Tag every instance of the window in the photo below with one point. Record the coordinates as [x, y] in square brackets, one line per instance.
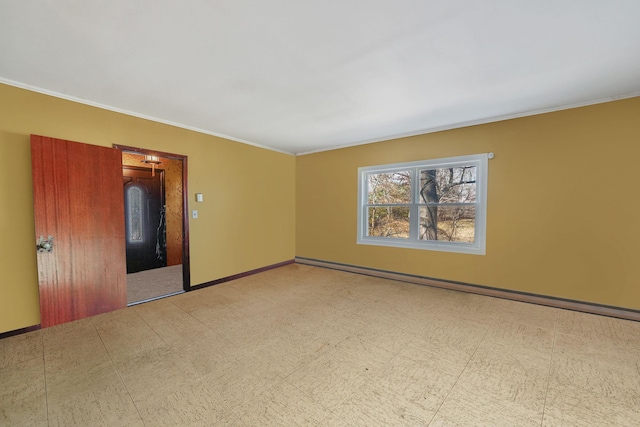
[135, 212]
[433, 204]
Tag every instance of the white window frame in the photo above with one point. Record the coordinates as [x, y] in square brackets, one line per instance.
[478, 247]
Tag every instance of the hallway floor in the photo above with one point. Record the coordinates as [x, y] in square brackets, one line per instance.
[155, 283]
[307, 346]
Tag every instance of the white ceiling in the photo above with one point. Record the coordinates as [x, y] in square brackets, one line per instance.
[301, 76]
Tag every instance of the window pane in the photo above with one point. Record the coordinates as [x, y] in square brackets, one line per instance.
[448, 185]
[448, 223]
[135, 215]
[384, 188]
[389, 221]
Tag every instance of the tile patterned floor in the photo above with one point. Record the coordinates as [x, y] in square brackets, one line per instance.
[306, 346]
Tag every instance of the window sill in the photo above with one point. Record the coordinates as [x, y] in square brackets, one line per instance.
[463, 248]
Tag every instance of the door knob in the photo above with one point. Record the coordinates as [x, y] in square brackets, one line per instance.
[45, 245]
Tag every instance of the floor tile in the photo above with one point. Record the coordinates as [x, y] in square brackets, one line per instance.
[194, 404]
[81, 356]
[231, 293]
[598, 347]
[204, 353]
[61, 337]
[415, 383]
[87, 393]
[338, 372]
[104, 404]
[281, 405]
[239, 380]
[334, 420]
[604, 377]
[505, 379]
[390, 338]
[23, 393]
[322, 326]
[84, 380]
[368, 405]
[539, 316]
[591, 326]
[203, 299]
[19, 348]
[445, 348]
[125, 334]
[521, 336]
[170, 322]
[465, 408]
[154, 374]
[568, 405]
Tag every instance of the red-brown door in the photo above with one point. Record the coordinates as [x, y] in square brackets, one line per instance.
[78, 201]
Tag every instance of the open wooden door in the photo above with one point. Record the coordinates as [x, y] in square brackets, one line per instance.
[78, 201]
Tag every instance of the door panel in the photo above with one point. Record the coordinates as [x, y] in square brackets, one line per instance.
[78, 201]
[145, 235]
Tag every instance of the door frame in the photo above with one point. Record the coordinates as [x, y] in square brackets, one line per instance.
[186, 270]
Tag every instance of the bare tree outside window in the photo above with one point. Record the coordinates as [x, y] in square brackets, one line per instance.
[389, 197]
[449, 197]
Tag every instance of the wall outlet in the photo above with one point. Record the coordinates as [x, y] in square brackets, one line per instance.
[194, 214]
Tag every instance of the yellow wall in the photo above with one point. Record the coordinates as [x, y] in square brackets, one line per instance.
[245, 222]
[563, 204]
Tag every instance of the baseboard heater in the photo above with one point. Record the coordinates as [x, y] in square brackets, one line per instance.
[586, 307]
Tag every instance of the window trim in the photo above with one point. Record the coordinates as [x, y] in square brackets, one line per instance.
[480, 161]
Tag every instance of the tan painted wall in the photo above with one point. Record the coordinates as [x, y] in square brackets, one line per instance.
[246, 221]
[563, 204]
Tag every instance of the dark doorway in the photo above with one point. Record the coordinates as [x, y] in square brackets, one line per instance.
[158, 182]
[144, 218]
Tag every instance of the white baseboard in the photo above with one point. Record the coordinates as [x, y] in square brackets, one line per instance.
[585, 307]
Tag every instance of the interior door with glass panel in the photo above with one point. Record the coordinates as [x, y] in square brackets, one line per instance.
[144, 218]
